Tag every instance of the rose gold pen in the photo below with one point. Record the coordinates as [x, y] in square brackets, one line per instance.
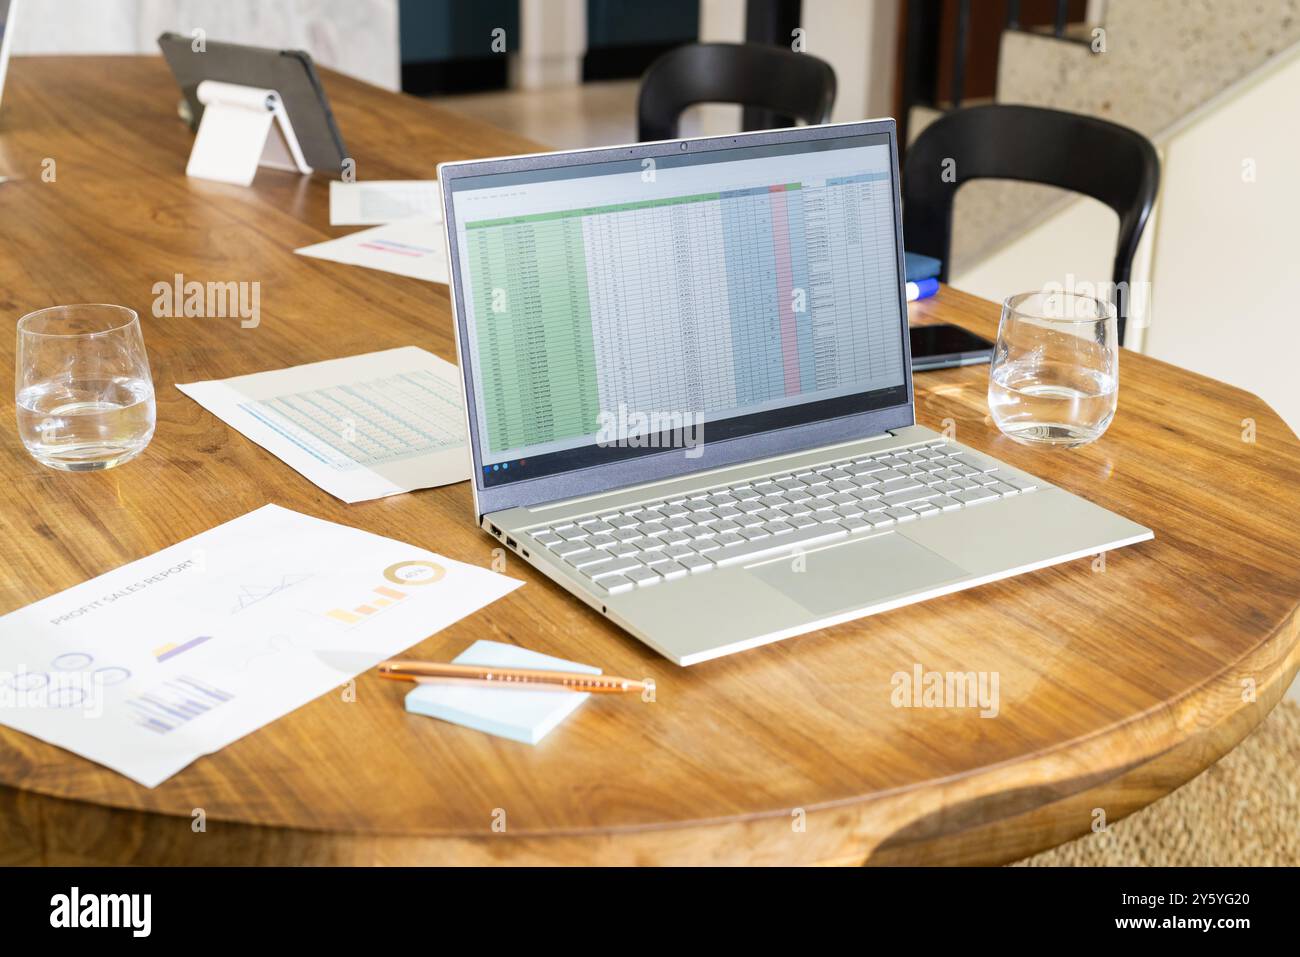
[523, 679]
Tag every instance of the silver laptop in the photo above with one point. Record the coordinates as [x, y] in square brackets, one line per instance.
[689, 393]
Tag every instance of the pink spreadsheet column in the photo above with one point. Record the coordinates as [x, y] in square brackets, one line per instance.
[784, 282]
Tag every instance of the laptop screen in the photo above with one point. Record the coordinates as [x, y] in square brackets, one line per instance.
[642, 306]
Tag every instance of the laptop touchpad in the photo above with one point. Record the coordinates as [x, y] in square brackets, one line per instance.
[855, 574]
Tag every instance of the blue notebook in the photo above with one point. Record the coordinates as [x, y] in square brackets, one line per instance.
[526, 716]
[921, 267]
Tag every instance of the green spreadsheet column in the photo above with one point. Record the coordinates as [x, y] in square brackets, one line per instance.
[496, 344]
[536, 352]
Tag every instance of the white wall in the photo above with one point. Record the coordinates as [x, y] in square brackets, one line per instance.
[859, 40]
[357, 37]
[1078, 239]
[1226, 272]
[856, 37]
[554, 41]
[721, 21]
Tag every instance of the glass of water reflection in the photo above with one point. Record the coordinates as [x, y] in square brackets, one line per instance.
[1054, 378]
[85, 396]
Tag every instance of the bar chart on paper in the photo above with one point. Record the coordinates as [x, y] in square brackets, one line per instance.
[169, 705]
[382, 597]
[715, 302]
[166, 659]
[409, 573]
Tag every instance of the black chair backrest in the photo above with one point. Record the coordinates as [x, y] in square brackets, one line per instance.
[791, 86]
[1108, 162]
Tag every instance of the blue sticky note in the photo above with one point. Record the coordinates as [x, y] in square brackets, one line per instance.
[526, 716]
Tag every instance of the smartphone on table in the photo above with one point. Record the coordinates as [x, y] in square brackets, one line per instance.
[943, 346]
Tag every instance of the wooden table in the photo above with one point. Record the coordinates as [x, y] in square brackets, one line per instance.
[1116, 684]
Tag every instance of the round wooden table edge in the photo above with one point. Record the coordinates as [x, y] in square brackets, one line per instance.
[910, 824]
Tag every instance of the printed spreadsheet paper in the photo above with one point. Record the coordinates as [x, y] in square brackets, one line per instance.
[361, 428]
[152, 665]
[374, 202]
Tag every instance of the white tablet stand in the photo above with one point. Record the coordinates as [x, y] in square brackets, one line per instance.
[242, 128]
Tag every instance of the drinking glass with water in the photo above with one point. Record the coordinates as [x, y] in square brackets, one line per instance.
[85, 396]
[1054, 378]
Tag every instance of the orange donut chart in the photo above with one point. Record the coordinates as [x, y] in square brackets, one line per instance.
[414, 573]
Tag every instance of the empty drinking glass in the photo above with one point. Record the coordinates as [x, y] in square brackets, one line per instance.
[1054, 378]
[85, 396]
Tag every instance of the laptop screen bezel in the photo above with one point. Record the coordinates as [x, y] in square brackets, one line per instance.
[667, 463]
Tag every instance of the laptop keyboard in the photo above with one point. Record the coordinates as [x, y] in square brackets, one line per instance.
[662, 541]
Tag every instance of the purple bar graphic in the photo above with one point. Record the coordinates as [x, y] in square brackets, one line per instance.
[185, 647]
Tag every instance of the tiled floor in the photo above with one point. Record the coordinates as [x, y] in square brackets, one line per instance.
[594, 114]
[575, 117]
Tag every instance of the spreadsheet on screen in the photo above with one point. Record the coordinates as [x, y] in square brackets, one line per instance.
[721, 288]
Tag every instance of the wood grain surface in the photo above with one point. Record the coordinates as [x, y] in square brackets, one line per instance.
[1117, 683]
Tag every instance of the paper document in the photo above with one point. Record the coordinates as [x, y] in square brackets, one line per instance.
[361, 427]
[526, 716]
[148, 667]
[372, 202]
[408, 247]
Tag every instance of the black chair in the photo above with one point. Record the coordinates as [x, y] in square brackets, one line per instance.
[785, 85]
[1100, 159]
